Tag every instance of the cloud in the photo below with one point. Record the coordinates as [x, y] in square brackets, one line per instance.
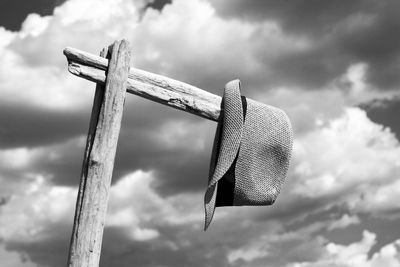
[344, 222]
[41, 214]
[134, 203]
[56, 106]
[13, 259]
[304, 17]
[35, 52]
[344, 154]
[58, 163]
[344, 162]
[302, 251]
[138, 214]
[158, 4]
[38, 220]
[356, 254]
[33, 127]
[203, 28]
[341, 33]
[246, 254]
[384, 111]
[39, 167]
[345, 165]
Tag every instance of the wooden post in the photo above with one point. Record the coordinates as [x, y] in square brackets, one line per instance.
[98, 162]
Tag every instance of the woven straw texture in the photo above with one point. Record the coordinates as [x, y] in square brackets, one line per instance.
[251, 152]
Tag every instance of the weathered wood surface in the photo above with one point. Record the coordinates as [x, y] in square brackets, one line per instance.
[152, 86]
[98, 161]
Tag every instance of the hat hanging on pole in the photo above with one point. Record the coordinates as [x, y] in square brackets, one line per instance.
[250, 155]
[252, 145]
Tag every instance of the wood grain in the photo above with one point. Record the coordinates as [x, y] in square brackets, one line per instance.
[98, 163]
[152, 86]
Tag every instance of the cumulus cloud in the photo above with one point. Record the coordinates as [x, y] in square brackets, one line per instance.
[135, 204]
[302, 251]
[347, 155]
[26, 215]
[40, 211]
[345, 165]
[35, 53]
[356, 254]
[345, 162]
[384, 110]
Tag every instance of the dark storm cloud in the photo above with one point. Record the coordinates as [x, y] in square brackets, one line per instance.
[14, 12]
[157, 252]
[4, 200]
[339, 40]
[118, 249]
[32, 127]
[310, 69]
[385, 112]
[158, 4]
[60, 163]
[50, 251]
[303, 16]
[178, 167]
[29, 126]
[378, 45]
[177, 246]
[386, 232]
[176, 170]
[65, 169]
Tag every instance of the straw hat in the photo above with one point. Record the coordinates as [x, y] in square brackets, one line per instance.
[250, 155]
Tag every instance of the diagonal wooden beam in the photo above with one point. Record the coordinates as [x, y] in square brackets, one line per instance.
[152, 86]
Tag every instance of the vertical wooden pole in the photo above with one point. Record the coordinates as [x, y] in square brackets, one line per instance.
[98, 162]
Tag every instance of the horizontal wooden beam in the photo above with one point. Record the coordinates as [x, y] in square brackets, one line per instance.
[152, 86]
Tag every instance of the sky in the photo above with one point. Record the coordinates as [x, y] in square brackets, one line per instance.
[332, 66]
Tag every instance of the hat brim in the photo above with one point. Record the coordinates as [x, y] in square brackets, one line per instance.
[226, 145]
